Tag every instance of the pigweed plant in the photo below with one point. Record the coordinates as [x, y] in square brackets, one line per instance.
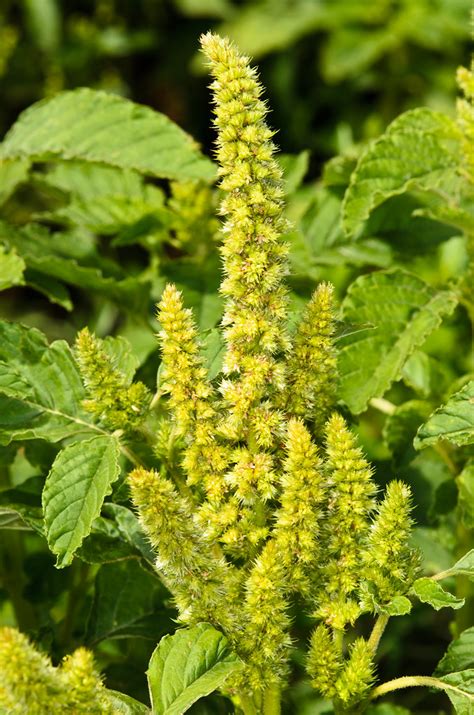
[249, 482]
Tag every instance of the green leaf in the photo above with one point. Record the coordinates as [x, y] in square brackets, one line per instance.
[52, 255]
[95, 126]
[453, 421]
[12, 267]
[125, 705]
[460, 690]
[75, 488]
[40, 387]
[463, 567]
[86, 180]
[459, 656]
[127, 602]
[465, 482]
[403, 311]
[420, 149]
[429, 591]
[399, 606]
[187, 666]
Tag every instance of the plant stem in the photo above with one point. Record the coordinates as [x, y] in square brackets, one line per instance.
[13, 578]
[377, 632]
[247, 705]
[272, 701]
[383, 405]
[412, 681]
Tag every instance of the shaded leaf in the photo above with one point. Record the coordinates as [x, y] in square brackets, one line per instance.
[75, 488]
[127, 603]
[403, 311]
[187, 666]
[421, 148]
[459, 656]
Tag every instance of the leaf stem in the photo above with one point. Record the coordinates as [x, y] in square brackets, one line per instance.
[383, 405]
[377, 632]
[414, 681]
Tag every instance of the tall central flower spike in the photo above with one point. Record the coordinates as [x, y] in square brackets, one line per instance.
[253, 251]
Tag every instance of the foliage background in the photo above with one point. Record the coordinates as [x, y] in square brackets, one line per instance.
[336, 72]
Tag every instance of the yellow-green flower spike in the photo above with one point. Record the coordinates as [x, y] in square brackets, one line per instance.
[297, 521]
[200, 581]
[27, 678]
[191, 394]
[111, 399]
[266, 642]
[350, 493]
[255, 257]
[311, 373]
[83, 685]
[324, 661]
[389, 563]
[30, 685]
[357, 677]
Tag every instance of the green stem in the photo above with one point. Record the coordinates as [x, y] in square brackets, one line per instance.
[247, 705]
[272, 701]
[79, 586]
[377, 632]
[13, 579]
[414, 681]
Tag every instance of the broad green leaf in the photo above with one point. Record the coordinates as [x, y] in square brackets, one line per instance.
[92, 125]
[12, 173]
[402, 311]
[40, 387]
[125, 705]
[108, 214]
[429, 591]
[453, 421]
[420, 149]
[187, 666]
[12, 267]
[127, 602]
[459, 656]
[86, 180]
[465, 482]
[400, 606]
[75, 488]
[460, 690]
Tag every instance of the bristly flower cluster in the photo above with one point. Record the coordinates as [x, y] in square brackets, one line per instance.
[278, 499]
[112, 399]
[30, 684]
